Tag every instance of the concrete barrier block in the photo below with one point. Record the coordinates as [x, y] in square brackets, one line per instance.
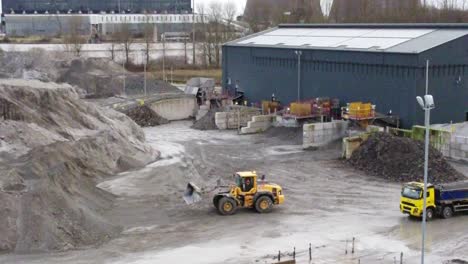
[319, 132]
[456, 146]
[221, 126]
[220, 115]
[249, 130]
[318, 138]
[318, 126]
[327, 125]
[456, 153]
[460, 140]
[258, 124]
[264, 118]
[309, 127]
[464, 147]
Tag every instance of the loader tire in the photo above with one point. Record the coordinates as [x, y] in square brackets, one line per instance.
[227, 206]
[263, 204]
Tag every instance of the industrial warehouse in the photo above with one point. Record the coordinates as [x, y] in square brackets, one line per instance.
[382, 64]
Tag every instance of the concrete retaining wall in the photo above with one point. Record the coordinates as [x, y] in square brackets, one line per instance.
[258, 124]
[320, 134]
[176, 108]
[459, 147]
[234, 118]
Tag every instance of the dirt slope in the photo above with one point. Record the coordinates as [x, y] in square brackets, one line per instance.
[53, 148]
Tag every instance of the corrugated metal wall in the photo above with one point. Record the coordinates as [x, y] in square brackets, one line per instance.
[391, 81]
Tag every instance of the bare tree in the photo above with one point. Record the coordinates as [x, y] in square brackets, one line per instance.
[112, 49]
[148, 38]
[204, 29]
[75, 39]
[126, 39]
[229, 14]
[216, 17]
[185, 39]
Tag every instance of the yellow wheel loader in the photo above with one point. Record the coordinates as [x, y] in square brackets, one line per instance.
[247, 192]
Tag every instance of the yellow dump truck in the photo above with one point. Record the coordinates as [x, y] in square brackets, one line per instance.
[443, 200]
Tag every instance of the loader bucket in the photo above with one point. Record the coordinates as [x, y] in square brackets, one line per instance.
[192, 194]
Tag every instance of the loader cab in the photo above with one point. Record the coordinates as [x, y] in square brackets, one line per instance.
[247, 181]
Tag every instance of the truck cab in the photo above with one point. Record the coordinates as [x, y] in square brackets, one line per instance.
[443, 200]
[411, 200]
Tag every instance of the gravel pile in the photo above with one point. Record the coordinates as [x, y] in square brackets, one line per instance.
[401, 159]
[135, 85]
[207, 122]
[145, 116]
[54, 148]
[290, 134]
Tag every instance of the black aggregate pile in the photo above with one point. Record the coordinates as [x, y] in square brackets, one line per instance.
[400, 159]
[145, 116]
[291, 134]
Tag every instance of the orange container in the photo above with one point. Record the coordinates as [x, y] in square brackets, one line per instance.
[301, 109]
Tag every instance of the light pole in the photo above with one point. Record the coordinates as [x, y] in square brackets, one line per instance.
[193, 33]
[164, 57]
[427, 104]
[299, 54]
[144, 69]
[123, 72]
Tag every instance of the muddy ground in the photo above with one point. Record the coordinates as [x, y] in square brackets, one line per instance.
[327, 203]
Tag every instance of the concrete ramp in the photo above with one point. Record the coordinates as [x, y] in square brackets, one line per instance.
[177, 108]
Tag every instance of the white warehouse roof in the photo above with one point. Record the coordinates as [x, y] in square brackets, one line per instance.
[404, 38]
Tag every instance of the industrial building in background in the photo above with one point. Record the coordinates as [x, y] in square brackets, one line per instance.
[383, 64]
[85, 6]
[54, 18]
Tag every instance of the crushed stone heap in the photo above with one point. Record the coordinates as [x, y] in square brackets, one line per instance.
[54, 148]
[400, 159]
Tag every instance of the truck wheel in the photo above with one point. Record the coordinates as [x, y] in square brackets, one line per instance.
[227, 206]
[447, 212]
[264, 204]
[429, 214]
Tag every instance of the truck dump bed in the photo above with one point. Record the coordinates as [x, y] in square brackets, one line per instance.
[453, 191]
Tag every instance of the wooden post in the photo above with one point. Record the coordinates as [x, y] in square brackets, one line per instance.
[401, 258]
[279, 256]
[346, 247]
[294, 253]
[352, 250]
[310, 251]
